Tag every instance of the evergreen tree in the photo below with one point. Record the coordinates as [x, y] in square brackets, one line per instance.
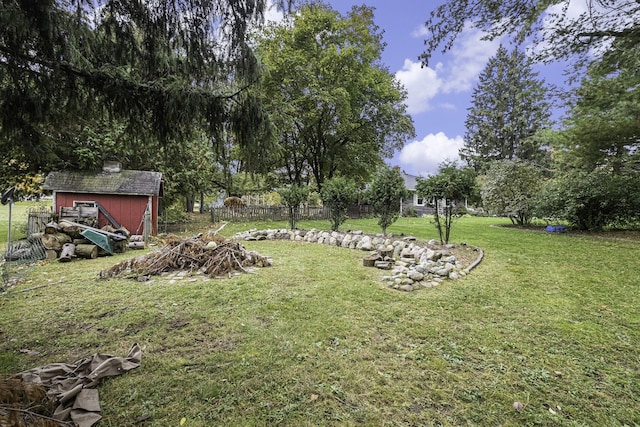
[603, 128]
[163, 69]
[508, 108]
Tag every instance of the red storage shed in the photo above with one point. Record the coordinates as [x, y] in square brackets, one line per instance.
[130, 197]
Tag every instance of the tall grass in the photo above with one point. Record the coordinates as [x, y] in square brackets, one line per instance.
[547, 320]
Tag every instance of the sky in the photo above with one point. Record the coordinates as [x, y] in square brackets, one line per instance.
[438, 95]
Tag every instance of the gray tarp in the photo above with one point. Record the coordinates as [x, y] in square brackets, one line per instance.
[71, 384]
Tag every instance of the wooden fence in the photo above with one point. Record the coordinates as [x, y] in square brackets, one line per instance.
[37, 219]
[279, 213]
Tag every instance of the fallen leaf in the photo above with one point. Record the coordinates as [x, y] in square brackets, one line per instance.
[182, 421]
[314, 397]
[557, 373]
[518, 406]
[552, 411]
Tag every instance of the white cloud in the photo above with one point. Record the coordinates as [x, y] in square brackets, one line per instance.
[423, 157]
[272, 14]
[422, 85]
[470, 55]
[459, 73]
[421, 31]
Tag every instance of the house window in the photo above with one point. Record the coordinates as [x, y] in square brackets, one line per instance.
[85, 204]
[417, 200]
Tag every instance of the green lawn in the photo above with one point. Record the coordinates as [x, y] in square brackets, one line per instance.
[548, 320]
[19, 213]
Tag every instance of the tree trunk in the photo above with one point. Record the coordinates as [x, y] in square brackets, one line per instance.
[190, 203]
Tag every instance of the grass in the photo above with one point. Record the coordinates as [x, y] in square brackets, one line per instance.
[19, 213]
[548, 320]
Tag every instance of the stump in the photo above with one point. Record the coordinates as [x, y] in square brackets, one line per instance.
[369, 261]
[51, 228]
[87, 251]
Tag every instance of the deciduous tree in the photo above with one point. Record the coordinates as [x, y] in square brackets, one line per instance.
[338, 111]
[509, 188]
[446, 191]
[292, 197]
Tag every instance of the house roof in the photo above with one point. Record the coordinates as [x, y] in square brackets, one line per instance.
[125, 182]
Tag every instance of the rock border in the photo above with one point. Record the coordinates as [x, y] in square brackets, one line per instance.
[412, 265]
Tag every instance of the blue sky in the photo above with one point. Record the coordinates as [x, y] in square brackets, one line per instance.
[438, 95]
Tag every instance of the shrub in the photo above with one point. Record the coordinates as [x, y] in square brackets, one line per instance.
[385, 194]
[509, 188]
[293, 197]
[591, 201]
[338, 194]
[233, 202]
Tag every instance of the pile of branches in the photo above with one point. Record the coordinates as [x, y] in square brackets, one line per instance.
[26, 404]
[208, 254]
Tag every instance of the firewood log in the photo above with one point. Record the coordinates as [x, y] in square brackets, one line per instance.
[55, 240]
[87, 251]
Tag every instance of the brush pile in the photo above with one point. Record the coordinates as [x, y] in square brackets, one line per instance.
[206, 253]
[26, 404]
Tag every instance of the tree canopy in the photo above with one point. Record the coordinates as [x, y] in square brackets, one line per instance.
[602, 130]
[336, 109]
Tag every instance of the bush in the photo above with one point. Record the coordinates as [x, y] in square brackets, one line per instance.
[592, 201]
[293, 197]
[509, 188]
[409, 211]
[233, 202]
[338, 194]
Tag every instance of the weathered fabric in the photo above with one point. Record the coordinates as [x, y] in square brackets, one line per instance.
[71, 384]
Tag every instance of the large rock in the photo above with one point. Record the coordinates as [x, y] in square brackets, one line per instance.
[365, 244]
[415, 275]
